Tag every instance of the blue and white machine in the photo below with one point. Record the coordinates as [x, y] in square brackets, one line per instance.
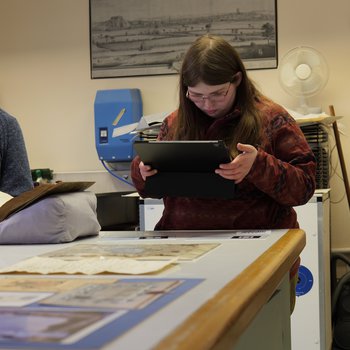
[117, 112]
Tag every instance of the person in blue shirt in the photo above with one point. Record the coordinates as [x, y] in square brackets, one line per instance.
[15, 174]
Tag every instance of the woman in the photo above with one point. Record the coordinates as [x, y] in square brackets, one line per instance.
[273, 166]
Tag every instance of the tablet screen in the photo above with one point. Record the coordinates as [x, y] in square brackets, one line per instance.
[183, 156]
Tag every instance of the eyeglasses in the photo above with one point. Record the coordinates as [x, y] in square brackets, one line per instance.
[214, 97]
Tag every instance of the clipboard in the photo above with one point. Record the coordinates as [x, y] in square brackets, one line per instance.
[185, 168]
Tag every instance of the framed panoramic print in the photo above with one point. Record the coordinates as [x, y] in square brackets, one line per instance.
[150, 37]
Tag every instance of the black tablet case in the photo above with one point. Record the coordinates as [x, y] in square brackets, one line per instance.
[185, 168]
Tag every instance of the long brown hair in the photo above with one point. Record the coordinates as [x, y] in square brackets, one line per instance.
[213, 61]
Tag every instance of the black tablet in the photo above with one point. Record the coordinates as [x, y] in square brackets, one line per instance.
[185, 168]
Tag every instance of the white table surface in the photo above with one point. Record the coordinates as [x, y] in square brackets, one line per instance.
[217, 267]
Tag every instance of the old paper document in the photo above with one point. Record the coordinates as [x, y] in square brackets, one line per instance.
[89, 266]
[52, 284]
[146, 251]
[119, 295]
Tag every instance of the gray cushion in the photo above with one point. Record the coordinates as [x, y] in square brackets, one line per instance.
[57, 218]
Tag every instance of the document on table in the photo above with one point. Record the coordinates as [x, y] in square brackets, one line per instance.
[200, 234]
[19, 299]
[86, 317]
[180, 252]
[94, 259]
[52, 284]
[25, 328]
[89, 266]
[119, 295]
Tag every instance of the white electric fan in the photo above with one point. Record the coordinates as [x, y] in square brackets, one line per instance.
[303, 72]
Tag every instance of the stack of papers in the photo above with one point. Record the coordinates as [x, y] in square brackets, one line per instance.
[312, 117]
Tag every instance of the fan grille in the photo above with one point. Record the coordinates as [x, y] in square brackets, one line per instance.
[303, 72]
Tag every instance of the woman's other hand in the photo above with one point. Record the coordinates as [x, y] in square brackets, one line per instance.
[146, 170]
[239, 168]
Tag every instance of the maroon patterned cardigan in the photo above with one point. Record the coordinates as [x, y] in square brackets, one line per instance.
[282, 176]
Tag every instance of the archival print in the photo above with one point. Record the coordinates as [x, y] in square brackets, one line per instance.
[119, 295]
[150, 37]
[46, 325]
[142, 252]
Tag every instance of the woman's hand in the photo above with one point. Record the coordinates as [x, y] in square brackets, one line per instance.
[238, 169]
[146, 170]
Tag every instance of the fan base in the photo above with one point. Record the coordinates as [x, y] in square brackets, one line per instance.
[308, 110]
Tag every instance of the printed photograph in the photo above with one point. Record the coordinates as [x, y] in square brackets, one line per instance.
[150, 37]
[45, 325]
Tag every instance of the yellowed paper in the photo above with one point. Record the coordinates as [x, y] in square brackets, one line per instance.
[88, 266]
[119, 295]
[53, 284]
[146, 251]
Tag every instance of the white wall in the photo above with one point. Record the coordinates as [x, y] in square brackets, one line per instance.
[45, 80]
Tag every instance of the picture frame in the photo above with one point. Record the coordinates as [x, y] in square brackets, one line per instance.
[150, 37]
